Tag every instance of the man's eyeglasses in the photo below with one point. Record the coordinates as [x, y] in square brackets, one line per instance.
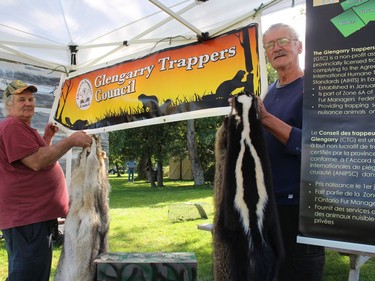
[281, 42]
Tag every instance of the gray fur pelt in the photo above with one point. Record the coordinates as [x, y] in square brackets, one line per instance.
[247, 239]
[87, 223]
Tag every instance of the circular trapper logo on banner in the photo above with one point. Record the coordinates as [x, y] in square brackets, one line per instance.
[84, 94]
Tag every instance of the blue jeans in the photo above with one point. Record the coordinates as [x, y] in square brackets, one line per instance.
[29, 250]
[302, 262]
[131, 174]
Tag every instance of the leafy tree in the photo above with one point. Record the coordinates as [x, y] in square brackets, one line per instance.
[116, 150]
[271, 74]
[149, 145]
[154, 145]
[205, 132]
[196, 165]
[178, 147]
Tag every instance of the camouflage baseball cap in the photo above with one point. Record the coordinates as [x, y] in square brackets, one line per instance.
[17, 86]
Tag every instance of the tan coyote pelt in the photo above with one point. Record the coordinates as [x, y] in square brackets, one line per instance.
[87, 223]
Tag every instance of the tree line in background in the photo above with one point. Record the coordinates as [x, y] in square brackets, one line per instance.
[152, 146]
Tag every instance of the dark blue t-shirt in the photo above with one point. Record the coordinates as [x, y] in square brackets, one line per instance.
[286, 104]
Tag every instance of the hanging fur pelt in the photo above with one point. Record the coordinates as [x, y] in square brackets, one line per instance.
[86, 225]
[247, 237]
[220, 249]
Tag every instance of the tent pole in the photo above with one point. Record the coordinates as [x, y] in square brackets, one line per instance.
[176, 16]
[68, 168]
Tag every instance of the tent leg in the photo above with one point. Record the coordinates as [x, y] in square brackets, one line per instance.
[356, 261]
[68, 169]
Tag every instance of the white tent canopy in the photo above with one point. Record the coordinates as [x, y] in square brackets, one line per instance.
[80, 34]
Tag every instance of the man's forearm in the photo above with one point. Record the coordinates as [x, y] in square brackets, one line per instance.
[47, 155]
[277, 128]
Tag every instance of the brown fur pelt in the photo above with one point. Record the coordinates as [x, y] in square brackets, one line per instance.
[87, 223]
[220, 249]
[247, 239]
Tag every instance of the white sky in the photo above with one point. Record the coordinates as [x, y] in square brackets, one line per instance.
[293, 17]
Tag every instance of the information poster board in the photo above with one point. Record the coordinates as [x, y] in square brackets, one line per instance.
[338, 159]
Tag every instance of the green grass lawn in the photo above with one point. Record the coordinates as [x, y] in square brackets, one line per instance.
[140, 223]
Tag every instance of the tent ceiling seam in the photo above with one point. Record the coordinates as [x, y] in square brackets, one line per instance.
[176, 17]
[65, 22]
[91, 63]
[24, 44]
[20, 54]
[126, 25]
[135, 39]
[29, 33]
[187, 8]
[244, 17]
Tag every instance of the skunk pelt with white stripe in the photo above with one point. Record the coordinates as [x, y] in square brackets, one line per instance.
[247, 222]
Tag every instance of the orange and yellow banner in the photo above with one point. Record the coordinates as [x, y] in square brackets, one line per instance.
[180, 83]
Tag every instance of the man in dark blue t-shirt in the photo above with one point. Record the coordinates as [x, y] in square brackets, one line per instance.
[281, 113]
